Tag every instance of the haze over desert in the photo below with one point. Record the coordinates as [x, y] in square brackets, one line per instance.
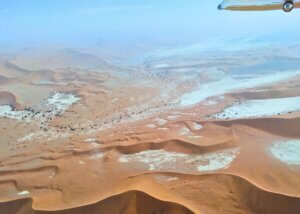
[148, 108]
[175, 133]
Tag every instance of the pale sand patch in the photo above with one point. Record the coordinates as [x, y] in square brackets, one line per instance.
[163, 128]
[172, 179]
[195, 136]
[81, 162]
[152, 126]
[184, 131]
[197, 126]
[160, 121]
[211, 102]
[48, 135]
[97, 155]
[90, 140]
[163, 178]
[173, 117]
[52, 175]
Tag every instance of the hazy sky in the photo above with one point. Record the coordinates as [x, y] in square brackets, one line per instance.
[46, 21]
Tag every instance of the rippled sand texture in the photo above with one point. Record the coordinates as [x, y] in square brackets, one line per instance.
[174, 134]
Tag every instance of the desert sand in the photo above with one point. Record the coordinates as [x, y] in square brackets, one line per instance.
[79, 134]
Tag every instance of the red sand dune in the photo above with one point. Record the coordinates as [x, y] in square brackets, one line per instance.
[122, 148]
[7, 98]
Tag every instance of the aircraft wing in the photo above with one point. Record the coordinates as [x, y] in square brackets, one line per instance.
[257, 5]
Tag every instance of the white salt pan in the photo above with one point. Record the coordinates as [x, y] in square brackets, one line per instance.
[23, 193]
[287, 151]
[61, 101]
[6, 111]
[163, 160]
[261, 108]
[229, 84]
